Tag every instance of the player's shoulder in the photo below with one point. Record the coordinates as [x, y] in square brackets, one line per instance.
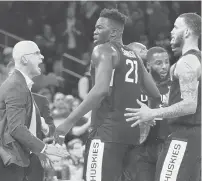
[103, 48]
[102, 52]
[189, 61]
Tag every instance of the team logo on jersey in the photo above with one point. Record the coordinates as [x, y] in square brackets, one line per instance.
[164, 98]
[94, 162]
[173, 160]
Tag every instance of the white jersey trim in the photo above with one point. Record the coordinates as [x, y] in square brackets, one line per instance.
[94, 161]
[173, 160]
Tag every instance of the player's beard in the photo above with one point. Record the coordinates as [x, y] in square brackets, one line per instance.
[157, 78]
[177, 44]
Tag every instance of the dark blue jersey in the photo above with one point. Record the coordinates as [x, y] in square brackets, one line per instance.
[175, 97]
[108, 119]
[161, 129]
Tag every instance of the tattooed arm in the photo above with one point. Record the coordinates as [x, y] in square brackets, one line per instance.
[187, 71]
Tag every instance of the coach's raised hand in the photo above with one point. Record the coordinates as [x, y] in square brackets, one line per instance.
[140, 115]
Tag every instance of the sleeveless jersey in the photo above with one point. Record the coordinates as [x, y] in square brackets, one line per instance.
[108, 121]
[163, 89]
[175, 97]
[160, 130]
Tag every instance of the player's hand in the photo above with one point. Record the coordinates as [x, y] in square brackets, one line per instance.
[45, 161]
[140, 115]
[55, 151]
[48, 140]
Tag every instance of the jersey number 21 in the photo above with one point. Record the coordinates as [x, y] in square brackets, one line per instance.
[129, 75]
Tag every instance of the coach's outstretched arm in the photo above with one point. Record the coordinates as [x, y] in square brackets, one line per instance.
[103, 64]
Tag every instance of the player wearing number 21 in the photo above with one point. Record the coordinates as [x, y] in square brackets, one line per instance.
[117, 74]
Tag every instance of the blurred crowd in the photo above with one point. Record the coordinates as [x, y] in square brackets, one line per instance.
[71, 167]
[67, 27]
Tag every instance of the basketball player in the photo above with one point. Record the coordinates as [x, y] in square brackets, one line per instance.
[143, 158]
[180, 159]
[117, 73]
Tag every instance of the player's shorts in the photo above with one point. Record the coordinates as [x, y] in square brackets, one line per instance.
[105, 161]
[142, 161]
[180, 159]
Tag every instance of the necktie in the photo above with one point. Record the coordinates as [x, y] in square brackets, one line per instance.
[32, 127]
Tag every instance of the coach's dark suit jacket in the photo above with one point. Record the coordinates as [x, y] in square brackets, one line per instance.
[16, 104]
[35, 171]
[43, 106]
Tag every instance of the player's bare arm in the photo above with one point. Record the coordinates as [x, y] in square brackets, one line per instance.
[187, 71]
[148, 84]
[102, 59]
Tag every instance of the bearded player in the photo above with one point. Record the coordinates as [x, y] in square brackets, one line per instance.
[180, 159]
[144, 158]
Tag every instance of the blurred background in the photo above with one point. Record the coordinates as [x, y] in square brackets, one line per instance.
[64, 33]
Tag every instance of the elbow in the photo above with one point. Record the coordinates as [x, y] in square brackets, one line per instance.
[192, 106]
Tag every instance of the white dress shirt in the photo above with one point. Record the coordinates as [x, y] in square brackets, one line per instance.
[32, 127]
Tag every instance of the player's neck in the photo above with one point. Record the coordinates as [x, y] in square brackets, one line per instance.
[118, 40]
[190, 45]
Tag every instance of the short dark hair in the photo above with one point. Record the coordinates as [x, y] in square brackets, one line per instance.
[114, 14]
[154, 50]
[193, 21]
